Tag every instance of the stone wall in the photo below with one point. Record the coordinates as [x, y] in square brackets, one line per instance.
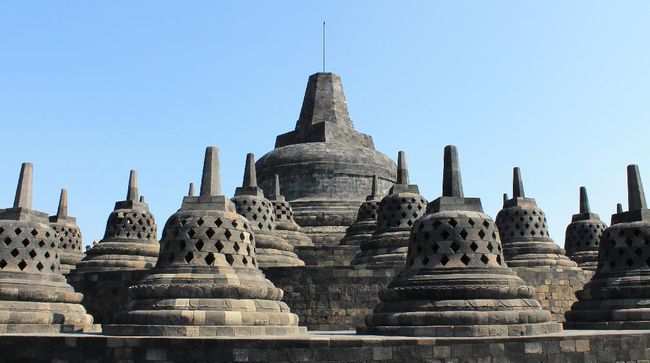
[330, 298]
[555, 287]
[327, 255]
[592, 346]
[105, 293]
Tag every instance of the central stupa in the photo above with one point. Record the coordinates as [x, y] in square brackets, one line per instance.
[326, 166]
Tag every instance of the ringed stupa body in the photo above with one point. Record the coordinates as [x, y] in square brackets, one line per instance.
[326, 166]
[583, 235]
[68, 234]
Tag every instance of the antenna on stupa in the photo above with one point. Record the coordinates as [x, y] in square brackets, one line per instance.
[210, 179]
[619, 208]
[505, 199]
[324, 43]
[24, 190]
[190, 193]
[402, 169]
[584, 201]
[132, 193]
[452, 185]
[250, 177]
[62, 212]
[635, 195]
[517, 184]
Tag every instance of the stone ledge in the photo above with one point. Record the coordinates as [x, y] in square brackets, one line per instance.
[571, 346]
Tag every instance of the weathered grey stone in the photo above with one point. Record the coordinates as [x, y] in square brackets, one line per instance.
[272, 250]
[618, 296]
[455, 281]
[206, 280]
[366, 223]
[285, 226]
[325, 165]
[397, 212]
[68, 235]
[34, 295]
[583, 235]
[130, 241]
[524, 232]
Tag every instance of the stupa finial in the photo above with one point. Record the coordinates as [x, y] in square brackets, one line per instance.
[517, 184]
[132, 193]
[250, 177]
[619, 208]
[190, 193]
[635, 195]
[584, 201]
[211, 180]
[373, 189]
[276, 184]
[142, 199]
[452, 185]
[505, 199]
[62, 211]
[24, 190]
[402, 168]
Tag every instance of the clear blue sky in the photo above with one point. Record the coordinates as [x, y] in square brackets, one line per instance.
[89, 90]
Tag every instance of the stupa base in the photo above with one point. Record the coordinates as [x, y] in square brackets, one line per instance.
[49, 328]
[267, 257]
[295, 238]
[464, 330]
[201, 331]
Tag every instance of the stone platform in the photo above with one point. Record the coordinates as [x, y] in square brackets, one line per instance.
[333, 297]
[570, 346]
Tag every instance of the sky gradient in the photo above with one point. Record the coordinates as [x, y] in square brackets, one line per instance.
[91, 90]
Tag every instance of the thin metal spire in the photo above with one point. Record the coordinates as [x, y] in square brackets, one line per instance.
[324, 44]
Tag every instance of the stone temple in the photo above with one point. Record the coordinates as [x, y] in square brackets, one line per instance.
[583, 235]
[325, 165]
[366, 223]
[455, 281]
[285, 226]
[34, 296]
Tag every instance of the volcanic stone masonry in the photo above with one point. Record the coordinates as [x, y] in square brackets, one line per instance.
[34, 296]
[69, 236]
[325, 165]
[366, 223]
[285, 226]
[583, 235]
[618, 296]
[272, 250]
[129, 241]
[397, 213]
[455, 281]
[533, 255]
[206, 281]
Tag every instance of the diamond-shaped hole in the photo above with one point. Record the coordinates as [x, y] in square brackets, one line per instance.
[189, 257]
[14, 252]
[199, 245]
[425, 261]
[444, 235]
[39, 266]
[22, 264]
[236, 247]
[200, 222]
[455, 247]
[3, 264]
[464, 233]
[218, 222]
[481, 234]
[444, 260]
[485, 259]
[191, 233]
[32, 254]
[219, 245]
[473, 246]
[210, 232]
[452, 222]
[209, 259]
[7, 241]
[465, 259]
[230, 259]
[227, 234]
[18, 231]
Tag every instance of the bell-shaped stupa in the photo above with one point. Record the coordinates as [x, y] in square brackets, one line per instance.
[129, 242]
[583, 235]
[455, 281]
[397, 213]
[285, 226]
[272, 250]
[34, 295]
[206, 281]
[618, 296]
[366, 223]
[68, 235]
[524, 232]
[325, 165]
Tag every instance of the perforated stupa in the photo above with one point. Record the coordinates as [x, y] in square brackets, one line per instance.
[34, 295]
[455, 281]
[618, 296]
[130, 241]
[206, 281]
[68, 235]
[285, 226]
[397, 213]
[583, 234]
[272, 250]
[524, 232]
[366, 223]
